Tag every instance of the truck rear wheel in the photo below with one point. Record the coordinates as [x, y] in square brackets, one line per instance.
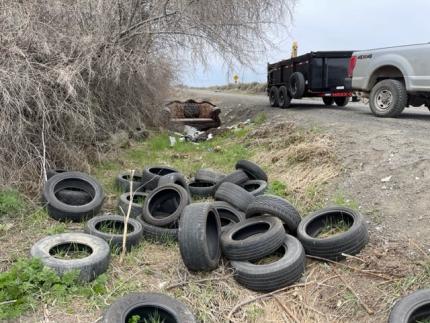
[388, 98]
[342, 101]
[328, 100]
[274, 96]
[284, 98]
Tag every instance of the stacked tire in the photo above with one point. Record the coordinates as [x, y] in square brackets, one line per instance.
[72, 196]
[162, 211]
[262, 236]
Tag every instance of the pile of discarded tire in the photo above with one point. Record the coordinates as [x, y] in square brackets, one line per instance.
[249, 228]
[234, 218]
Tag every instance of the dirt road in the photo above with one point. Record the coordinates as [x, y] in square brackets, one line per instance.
[386, 161]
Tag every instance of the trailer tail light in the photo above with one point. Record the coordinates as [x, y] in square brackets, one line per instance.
[352, 64]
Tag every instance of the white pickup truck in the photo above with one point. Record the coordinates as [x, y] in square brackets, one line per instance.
[392, 78]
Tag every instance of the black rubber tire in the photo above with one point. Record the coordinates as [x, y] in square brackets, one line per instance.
[53, 172]
[400, 98]
[60, 211]
[200, 189]
[253, 238]
[136, 208]
[269, 277]
[164, 205]
[122, 182]
[238, 177]
[235, 195]
[175, 178]
[412, 308]
[228, 215]
[278, 207]
[342, 101]
[252, 170]
[284, 98]
[89, 267]
[146, 306]
[115, 240]
[74, 197]
[208, 175]
[328, 100]
[199, 237]
[158, 234]
[151, 175]
[297, 85]
[255, 187]
[274, 97]
[349, 242]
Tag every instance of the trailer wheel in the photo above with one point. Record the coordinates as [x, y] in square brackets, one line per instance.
[284, 98]
[342, 101]
[297, 85]
[388, 98]
[274, 97]
[328, 100]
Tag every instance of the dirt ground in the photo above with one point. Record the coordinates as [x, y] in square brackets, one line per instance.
[386, 162]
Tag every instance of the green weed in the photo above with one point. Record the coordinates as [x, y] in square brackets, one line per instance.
[69, 251]
[56, 229]
[254, 313]
[278, 188]
[113, 227]
[260, 118]
[332, 227]
[342, 200]
[27, 282]
[10, 202]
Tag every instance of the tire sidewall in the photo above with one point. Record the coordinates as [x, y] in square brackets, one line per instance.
[74, 212]
[173, 217]
[336, 240]
[90, 267]
[399, 99]
[133, 237]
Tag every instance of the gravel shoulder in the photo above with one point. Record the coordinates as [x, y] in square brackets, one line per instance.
[386, 162]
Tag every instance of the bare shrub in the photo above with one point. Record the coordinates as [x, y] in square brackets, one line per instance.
[74, 72]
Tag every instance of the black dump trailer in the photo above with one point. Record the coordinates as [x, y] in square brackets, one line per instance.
[316, 74]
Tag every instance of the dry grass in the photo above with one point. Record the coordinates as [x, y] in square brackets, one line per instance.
[384, 271]
[252, 88]
[303, 159]
[379, 275]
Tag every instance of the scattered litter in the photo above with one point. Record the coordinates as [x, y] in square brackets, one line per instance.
[239, 125]
[172, 141]
[386, 179]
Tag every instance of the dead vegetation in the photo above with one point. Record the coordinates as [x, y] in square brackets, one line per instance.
[304, 159]
[252, 88]
[73, 73]
[361, 289]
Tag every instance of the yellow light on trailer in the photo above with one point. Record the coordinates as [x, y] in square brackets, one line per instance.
[294, 49]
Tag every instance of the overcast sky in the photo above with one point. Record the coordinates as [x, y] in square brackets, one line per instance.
[334, 25]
